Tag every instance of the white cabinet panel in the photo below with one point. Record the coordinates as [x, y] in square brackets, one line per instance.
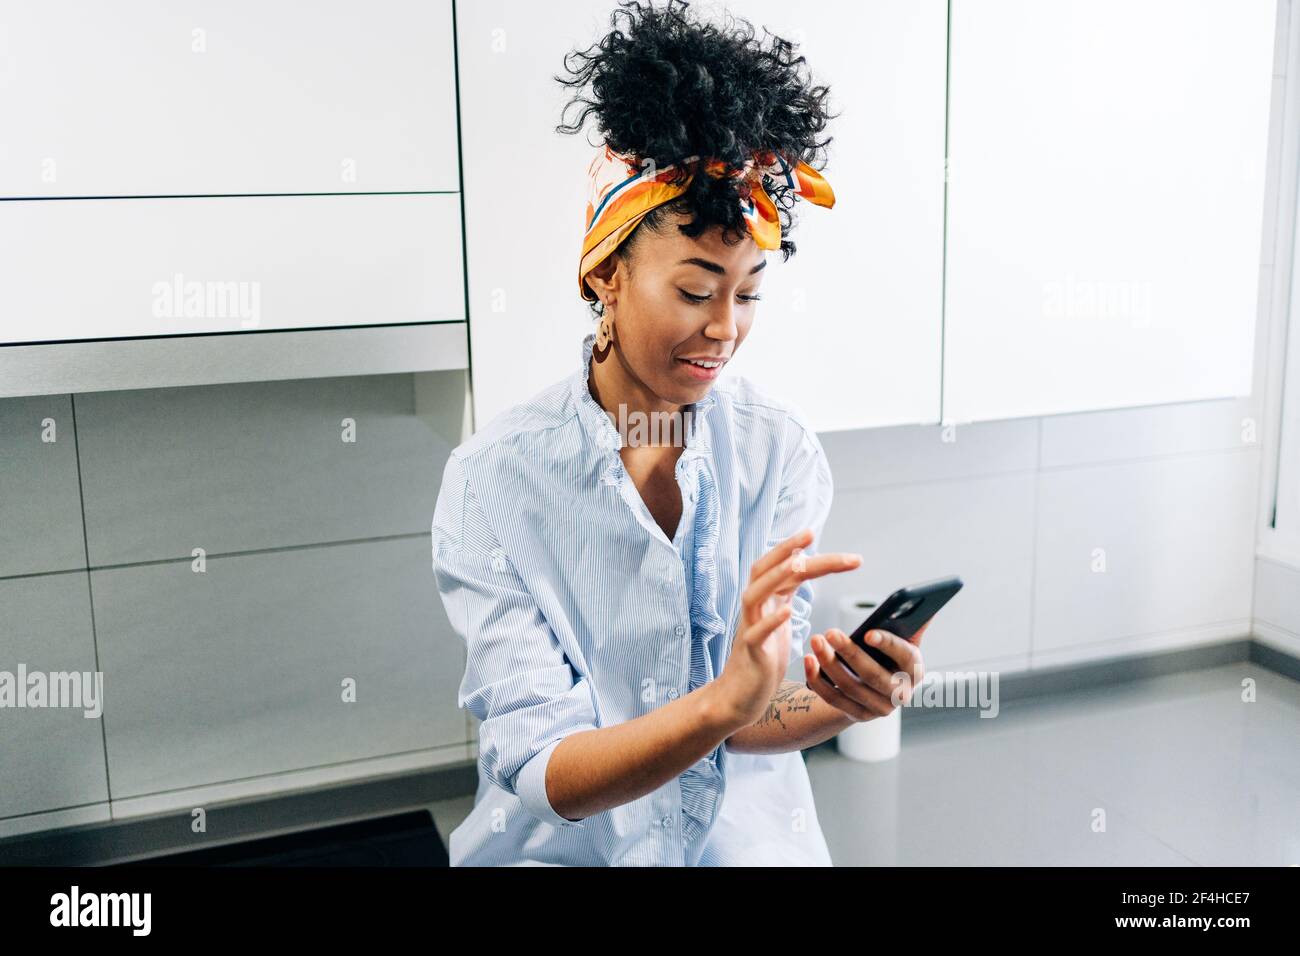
[190, 97]
[1105, 202]
[849, 328]
[112, 268]
[525, 194]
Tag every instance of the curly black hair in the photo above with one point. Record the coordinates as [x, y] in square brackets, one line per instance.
[668, 87]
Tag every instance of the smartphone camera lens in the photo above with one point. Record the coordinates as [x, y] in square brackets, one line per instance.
[903, 609]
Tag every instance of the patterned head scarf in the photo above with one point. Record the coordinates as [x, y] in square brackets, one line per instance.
[623, 191]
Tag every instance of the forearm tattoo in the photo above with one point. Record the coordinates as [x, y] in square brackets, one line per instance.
[789, 699]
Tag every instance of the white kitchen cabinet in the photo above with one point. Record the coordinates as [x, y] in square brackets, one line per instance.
[189, 97]
[110, 269]
[849, 328]
[1105, 202]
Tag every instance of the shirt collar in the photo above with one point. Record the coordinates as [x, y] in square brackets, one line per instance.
[600, 428]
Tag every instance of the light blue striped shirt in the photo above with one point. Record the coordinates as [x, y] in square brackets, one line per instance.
[578, 612]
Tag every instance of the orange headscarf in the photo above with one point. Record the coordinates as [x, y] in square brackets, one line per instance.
[622, 192]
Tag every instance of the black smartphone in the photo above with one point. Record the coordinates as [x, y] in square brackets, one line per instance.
[902, 613]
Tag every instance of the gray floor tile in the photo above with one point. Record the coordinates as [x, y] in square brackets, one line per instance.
[1186, 773]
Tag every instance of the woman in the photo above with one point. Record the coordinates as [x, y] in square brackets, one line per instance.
[630, 606]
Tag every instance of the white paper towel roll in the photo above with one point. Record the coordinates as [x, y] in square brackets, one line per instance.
[879, 738]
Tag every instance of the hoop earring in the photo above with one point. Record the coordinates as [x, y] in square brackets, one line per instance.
[604, 341]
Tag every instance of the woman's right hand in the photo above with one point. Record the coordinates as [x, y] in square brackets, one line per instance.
[760, 651]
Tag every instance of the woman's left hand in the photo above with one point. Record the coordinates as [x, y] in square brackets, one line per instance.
[868, 691]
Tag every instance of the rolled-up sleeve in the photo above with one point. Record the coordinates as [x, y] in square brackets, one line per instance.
[518, 681]
[804, 502]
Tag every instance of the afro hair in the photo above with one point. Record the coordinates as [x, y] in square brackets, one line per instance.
[665, 86]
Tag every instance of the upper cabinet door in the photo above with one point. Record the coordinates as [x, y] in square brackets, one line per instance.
[191, 97]
[525, 193]
[88, 269]
[1105, 202]
[849, 327]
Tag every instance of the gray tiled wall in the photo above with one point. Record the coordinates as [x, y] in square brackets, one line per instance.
[40, 506]
[317, 572]
[49, 757]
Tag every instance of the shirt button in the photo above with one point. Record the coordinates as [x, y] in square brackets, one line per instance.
[679, 630]
[672, 693]
[667, 821]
